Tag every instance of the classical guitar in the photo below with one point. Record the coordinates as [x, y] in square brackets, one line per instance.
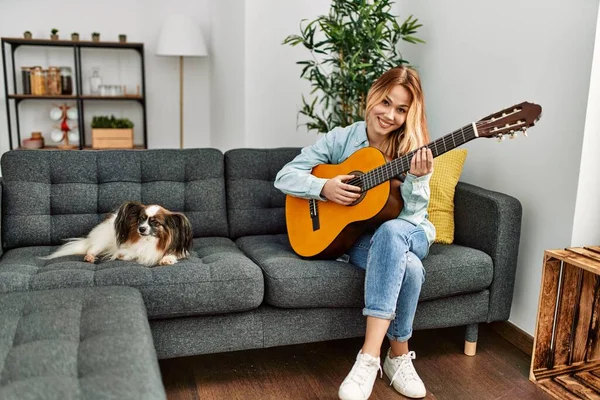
[324, 229]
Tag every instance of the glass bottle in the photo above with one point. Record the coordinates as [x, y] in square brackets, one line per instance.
[66, 80]
[95, 81]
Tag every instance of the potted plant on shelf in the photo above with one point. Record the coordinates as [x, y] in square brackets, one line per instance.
[123, 38]
[95, 36]
[54, 34]
[112, 133]
[27, 35]
[75, 36]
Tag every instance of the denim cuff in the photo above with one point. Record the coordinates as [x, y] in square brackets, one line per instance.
[378, 314]
[399, 338]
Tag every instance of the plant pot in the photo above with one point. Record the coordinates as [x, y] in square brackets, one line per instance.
[95, 38]
[112, 138]
[27, 35]
[75, 37]
[54, 37]
[123, 38]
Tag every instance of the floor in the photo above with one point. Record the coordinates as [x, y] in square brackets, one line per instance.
[314, 371]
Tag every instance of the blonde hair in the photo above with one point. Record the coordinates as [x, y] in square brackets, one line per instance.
[413, 133]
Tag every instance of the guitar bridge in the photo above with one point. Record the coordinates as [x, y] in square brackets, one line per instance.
[314, 214]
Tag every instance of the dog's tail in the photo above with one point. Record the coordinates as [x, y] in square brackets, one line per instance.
[73, 246]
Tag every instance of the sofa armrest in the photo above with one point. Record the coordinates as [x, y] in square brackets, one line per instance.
[491, 222]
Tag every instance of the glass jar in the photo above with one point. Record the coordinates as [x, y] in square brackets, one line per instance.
[38, 81]
[66, 80]
[26, 76]
[53, 83]
[95, 81]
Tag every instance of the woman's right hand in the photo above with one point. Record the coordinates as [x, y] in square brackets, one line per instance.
[339, 192]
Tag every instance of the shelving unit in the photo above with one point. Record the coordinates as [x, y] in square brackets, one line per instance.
[15, 99]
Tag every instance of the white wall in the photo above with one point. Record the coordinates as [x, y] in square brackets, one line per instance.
[485, 56]
[141, 21]
[273, 84]
[227, 82]
[586, 226]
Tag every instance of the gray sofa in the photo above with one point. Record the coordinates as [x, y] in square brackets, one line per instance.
[243, 287]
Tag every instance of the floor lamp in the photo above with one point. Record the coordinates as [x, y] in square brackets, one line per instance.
[181, 36]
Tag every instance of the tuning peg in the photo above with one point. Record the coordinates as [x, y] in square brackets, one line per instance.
[525, 132]
[513, 135]
[501, 138]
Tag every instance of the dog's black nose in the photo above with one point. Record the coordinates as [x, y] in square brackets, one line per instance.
[142, 229]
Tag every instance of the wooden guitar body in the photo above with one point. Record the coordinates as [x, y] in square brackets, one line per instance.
[339, 226]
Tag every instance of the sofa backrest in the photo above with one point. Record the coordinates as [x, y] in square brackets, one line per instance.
[51, 195]
[254, 205]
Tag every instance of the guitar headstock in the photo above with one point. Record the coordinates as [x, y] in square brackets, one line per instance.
[509, 121]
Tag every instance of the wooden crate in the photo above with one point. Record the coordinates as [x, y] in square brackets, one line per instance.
[112, 138]
[566, 350]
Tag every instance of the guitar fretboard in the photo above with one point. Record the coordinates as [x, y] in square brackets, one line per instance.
[402, 164]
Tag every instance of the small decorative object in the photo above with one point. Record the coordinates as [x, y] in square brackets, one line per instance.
[95, 37]
[54, 35]
[95, 81]
[27, 35]
[123, 38]
[35, 142]
[138, 92]
[75, 36]
[112, 133]
[60, 133]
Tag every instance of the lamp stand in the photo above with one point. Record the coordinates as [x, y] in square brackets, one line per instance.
[181, 102]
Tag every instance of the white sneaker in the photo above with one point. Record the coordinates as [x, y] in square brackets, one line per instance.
[403, 375]
[358, 385]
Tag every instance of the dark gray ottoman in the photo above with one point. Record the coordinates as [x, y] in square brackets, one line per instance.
[88, 343]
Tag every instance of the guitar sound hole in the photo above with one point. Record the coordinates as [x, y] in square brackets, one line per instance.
[357, 175]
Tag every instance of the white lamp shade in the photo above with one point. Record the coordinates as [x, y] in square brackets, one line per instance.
[181, 36]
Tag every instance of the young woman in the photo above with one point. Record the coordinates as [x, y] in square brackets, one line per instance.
[395, 123]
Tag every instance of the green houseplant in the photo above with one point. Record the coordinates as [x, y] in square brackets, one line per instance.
[54, 34]
[350, 47]
[95, 36]
[75, 36]
[112, 133]
[27, 34]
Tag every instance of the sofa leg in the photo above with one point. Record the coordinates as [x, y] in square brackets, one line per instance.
[471, 339]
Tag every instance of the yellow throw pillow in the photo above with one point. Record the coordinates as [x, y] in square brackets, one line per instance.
[446, 172]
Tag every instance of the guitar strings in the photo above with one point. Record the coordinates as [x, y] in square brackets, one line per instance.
[386, 171]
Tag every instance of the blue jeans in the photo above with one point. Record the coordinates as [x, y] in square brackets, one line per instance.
[394, 273]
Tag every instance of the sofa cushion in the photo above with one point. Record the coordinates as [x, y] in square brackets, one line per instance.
[254, 205]
[217, 278]
[294, 282]
[51, 195]
[77, 344]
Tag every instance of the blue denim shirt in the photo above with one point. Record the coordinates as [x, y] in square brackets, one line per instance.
[336, 146]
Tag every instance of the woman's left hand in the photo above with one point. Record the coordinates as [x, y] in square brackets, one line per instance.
[422, 162]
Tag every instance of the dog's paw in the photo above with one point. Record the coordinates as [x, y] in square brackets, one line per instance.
[168, 260]
[89, 258]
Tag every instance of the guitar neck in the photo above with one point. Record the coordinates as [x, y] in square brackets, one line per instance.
[402, 164]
